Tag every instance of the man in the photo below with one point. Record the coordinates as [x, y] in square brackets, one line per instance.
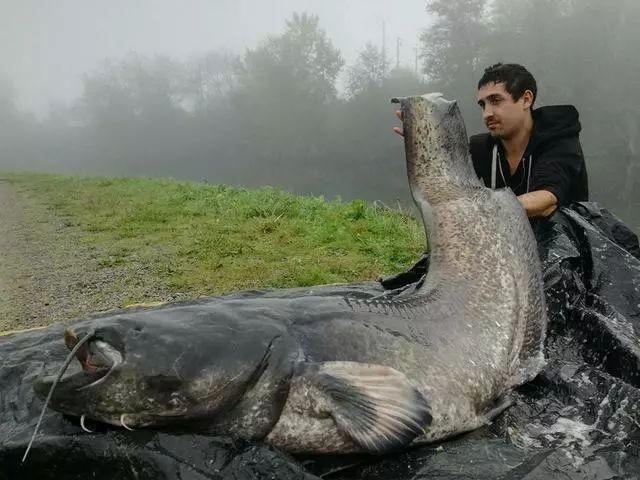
[536, 153]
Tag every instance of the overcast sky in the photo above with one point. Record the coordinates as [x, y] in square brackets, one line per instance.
[46, 45]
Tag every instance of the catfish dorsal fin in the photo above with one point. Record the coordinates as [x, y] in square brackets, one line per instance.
[374, 405]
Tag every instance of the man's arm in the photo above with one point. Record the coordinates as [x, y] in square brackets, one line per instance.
[540, 203]
[554, 177]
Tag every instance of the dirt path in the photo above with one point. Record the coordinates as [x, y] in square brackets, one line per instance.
[47, 274]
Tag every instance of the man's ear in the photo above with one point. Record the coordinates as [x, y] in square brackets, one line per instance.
[527, 99]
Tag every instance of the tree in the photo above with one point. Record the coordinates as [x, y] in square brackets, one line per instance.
[16, 130]
[368, 154]
[133, 112]
[605, 73]
[301, 62]
[209, 80]
[452, 48]
[369, 70]
[135, 88]
[284, 89]
[583, 53]
[7, 94]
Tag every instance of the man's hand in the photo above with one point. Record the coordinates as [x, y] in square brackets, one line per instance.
[540, 203]
[399, 130]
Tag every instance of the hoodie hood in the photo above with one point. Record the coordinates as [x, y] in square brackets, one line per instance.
[551, 122]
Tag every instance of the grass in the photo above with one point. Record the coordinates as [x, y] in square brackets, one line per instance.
[211, 239]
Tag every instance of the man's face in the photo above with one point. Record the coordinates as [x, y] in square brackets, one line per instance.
[502, 116]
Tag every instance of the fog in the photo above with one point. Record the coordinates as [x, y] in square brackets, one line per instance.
[296, 93]
[47, 46]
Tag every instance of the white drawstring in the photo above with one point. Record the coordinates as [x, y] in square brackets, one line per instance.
[529, 174]
[495, 164]
[494, 157]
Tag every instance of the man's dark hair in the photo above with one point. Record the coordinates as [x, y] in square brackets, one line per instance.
[516, 79]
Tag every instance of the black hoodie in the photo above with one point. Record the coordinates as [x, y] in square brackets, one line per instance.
[553, 159]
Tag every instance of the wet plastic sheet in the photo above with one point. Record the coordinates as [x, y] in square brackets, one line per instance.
[580, 418]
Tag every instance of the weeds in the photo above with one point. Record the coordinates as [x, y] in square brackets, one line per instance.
[210, 239]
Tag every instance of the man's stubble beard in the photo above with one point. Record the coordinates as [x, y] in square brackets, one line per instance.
[501, 135]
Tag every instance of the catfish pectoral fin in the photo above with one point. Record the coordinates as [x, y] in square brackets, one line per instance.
[374, 405]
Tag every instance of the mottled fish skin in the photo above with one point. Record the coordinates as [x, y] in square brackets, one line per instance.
[440, 170]
[482, 247]
[343, 372]
[474, 328]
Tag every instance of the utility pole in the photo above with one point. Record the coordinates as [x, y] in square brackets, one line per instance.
[384, 47]
[415, 50]
[398, 52]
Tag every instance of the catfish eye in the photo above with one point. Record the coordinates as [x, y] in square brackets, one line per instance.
[136, 331]
[177, 400]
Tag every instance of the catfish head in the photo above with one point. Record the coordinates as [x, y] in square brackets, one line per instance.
[204, 367]
[436, 147]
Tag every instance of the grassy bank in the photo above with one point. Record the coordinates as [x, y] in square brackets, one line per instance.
[208, 239]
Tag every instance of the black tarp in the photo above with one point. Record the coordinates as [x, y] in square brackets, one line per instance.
[580, 418]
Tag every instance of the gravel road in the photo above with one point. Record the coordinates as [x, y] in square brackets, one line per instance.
[47, 274]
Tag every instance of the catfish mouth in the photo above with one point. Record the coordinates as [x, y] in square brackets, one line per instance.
[97, 358]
